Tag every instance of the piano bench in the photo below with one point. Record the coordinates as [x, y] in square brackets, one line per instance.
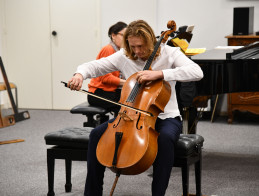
[71, 144]
[90, 112]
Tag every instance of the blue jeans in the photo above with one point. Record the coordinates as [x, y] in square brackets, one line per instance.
[169, 130]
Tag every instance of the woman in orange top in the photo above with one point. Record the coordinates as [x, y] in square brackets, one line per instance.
[109, 85]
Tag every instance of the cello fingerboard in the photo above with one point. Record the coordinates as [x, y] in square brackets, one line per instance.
[134, 92]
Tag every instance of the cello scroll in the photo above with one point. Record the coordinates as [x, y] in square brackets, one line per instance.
[171, 25]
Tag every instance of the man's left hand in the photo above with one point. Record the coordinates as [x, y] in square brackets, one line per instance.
[149, 75]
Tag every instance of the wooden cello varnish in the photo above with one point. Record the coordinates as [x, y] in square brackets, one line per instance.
[138, 147]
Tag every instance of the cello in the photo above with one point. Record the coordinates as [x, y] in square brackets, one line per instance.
[129, 144]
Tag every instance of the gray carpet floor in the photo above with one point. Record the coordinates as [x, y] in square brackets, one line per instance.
[230, 160]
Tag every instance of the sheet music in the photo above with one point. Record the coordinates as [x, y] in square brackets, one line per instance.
[190, 28]
[194, 51]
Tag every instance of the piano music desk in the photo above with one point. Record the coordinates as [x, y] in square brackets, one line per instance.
[248, 101]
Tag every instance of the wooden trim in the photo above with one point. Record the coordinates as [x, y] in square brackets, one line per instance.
[11, 141]
[242, 36]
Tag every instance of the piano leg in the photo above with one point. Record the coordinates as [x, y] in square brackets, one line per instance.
[230, 112]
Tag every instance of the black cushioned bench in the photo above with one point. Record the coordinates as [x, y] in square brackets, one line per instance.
[71, 144]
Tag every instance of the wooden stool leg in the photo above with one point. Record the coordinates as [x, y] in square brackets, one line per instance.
[51, 168]
[185, 179]
[68, 185]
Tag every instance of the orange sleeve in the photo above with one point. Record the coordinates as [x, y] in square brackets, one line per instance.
[108, 82]
[105, 51]
[111, 78]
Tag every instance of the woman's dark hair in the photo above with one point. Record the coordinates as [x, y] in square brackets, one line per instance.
[116, 28]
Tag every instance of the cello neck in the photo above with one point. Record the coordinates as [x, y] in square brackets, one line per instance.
[151, 57]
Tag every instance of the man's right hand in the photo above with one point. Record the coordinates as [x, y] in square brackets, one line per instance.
[76, 82]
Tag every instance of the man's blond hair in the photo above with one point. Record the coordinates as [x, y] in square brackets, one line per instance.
[140, 28]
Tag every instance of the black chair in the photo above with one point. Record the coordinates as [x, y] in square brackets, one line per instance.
[95, 115]
[71, 144]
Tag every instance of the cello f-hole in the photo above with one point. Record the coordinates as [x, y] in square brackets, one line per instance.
[115, 125]
[140, 127]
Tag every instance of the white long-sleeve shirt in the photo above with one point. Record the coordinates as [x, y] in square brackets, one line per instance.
[173, 63]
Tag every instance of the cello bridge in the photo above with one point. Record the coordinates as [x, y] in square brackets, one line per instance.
[125, 116]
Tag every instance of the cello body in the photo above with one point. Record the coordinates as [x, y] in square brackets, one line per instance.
[129, 144]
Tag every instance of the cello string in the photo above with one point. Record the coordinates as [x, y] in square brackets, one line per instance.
[134, 92]
[108, 100]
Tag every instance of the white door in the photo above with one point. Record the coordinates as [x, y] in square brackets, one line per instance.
[26, 50]
[76, 41]
[35, 60]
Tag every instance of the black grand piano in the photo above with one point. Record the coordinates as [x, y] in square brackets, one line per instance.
[229, 71]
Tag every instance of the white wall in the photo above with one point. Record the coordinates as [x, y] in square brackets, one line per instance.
[213, 20]
[3, 97]
[127, 11]
[0, 39]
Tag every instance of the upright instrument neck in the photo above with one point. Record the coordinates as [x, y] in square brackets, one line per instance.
[152, 56]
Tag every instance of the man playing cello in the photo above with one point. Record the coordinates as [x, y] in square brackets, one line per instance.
[169, 64]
